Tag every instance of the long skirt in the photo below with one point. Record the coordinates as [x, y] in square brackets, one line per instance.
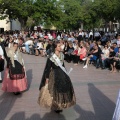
[1, 65]
[75, 59]
[9, 85]
[60, 89]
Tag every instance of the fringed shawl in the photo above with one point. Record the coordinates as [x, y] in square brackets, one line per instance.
[10, 54]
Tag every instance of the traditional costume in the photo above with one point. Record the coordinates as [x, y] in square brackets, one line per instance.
[1, 62]
[14, 77]
[60, 93]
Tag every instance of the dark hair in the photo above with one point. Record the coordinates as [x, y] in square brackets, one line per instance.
[54, 45]
[105, 46]
[112, 47]
[15, 43]
[52, 48]
[96, 44]
[115, 43]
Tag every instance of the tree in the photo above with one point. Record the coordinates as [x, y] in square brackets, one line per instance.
[64, 14]
[40, 11]
[71, 13]
[17, 9]
[105, 9]
[47, 12]
[117, 14]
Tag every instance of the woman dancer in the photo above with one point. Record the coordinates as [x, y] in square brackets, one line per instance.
[59, 83]
[14, 79]
[1, 62]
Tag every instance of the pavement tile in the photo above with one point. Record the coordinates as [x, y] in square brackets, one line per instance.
[96, 92]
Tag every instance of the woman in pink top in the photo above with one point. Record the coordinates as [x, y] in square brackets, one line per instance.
[54, 34]
[83, 51]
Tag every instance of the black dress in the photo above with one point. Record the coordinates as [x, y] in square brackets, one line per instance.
[112, 54]
[1, 65]
[68, 56]
[59, 86]
[2, 60]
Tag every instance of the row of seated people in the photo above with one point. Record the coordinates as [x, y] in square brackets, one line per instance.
[102, 56]
[106, 56]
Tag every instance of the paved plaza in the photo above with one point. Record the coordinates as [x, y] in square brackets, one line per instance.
[96, 92]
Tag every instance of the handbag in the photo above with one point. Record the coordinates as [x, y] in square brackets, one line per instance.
[45, 99]
[75, 52]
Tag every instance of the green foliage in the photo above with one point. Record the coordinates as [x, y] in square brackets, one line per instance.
[16, 9]
[64, 14]
[71, 13]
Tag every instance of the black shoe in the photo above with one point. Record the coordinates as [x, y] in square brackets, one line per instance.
[103, 68]
[58, 111]
[97, 67]
[16, 93]
[68, 61]
[0, 81]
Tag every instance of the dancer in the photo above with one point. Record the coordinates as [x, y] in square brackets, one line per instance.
[3, 55]
[14, 78]
[59, 84]
[1, 62]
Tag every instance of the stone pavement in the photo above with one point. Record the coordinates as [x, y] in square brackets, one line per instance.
[96, 93]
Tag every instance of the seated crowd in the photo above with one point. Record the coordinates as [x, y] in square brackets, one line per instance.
[104, 55]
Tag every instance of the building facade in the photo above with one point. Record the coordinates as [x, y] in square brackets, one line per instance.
[6, 24]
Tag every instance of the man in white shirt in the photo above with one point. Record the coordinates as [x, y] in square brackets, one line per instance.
[41, 34]
[50, 37]
[27, 44]
[15, 35]
[81, 33]
[58, 37]
[97, 36]
[15, 40]
[91, 35]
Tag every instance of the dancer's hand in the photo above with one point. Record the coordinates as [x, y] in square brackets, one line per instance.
[47, 81]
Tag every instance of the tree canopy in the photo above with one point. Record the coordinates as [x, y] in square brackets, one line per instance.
[64, 14]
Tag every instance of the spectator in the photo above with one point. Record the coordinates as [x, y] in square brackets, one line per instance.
[76, 54]
[116, 49]
[104, 56]
[68, 54]
[39, 48]
[27, 44]
[10, 45]
[83, 51]
[94, 55]
[112, 60]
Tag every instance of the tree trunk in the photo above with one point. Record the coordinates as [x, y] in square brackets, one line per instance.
[82, 26]
[106, 25]
[23, 23]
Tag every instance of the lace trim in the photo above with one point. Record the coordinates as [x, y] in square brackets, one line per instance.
[61, 59]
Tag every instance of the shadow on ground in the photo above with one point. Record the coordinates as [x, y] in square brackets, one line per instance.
[47, 116]
[29, 77]
[103, 106]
